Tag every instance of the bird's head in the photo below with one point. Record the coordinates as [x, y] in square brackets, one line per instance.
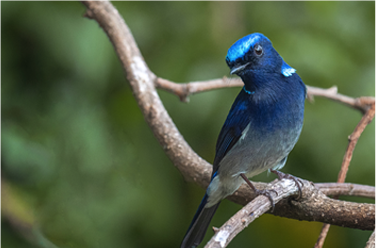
[254, 52]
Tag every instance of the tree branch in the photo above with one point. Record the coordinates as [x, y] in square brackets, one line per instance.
[317, 207]
[314, 206]
[349, 189]
[361, 103]
[142, 81]
[193, 167]
[184, 90]
[371, 241]
[260, 205]
[322, 236]
[353, 139]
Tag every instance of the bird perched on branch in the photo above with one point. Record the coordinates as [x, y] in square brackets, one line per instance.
[260, 131]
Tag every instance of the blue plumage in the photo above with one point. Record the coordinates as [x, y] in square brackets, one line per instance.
[261, 129]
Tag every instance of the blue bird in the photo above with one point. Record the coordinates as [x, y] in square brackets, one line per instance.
[261, 129]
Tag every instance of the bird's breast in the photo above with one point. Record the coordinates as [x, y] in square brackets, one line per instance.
[267, 139]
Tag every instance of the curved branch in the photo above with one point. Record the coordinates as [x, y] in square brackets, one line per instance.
[361, 103]
[143, 81]
[371, 241]
[349, 189]
[184, 90]
[353, 140]
[322, 236]
[260, 205]
[330, 189]
[317, 207]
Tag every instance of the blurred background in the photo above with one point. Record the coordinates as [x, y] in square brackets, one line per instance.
[81, 168]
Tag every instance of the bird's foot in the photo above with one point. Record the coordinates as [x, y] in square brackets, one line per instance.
[297, 181]
[266, 192]
[263, 192]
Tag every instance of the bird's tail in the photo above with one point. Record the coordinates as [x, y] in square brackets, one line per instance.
[199, 224]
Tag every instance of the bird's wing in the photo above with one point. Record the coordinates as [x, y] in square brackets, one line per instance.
[236, 122]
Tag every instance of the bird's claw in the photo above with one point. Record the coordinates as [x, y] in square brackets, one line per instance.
[266, 192]
[297, 181]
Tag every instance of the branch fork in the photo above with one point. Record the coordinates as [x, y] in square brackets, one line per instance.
[314, 206]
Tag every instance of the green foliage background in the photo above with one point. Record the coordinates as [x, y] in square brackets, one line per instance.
[81, 164]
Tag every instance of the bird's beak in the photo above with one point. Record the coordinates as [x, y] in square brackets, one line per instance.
[239, 68]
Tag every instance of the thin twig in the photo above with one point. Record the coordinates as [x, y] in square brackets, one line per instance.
[371, 241]
[353, 139]
[184, 90]
[321, 239]
[361, 103]
[350, 189]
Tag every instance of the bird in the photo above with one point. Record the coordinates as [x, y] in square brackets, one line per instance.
[262, 126]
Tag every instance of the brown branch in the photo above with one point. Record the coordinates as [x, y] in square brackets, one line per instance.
[142, 80]
[361, 103]
[184, 90]
[242, 197]
[371, 241]
[193, 167]
[260, 205]
[317, 207]
[353, 140]
[323, 233]
[349, 189]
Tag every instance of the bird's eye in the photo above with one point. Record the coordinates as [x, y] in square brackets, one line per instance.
[258, 50]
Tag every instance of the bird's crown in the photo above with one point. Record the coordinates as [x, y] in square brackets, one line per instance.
[245, 53]
[240, 48]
